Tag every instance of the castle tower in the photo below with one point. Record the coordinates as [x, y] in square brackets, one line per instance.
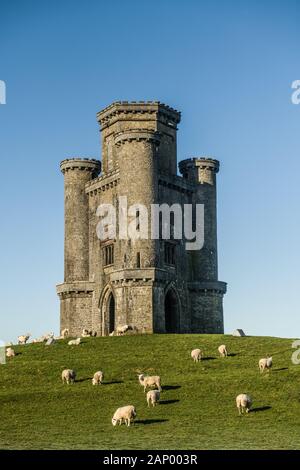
[74, 293]
[207, 291]
[157, 285]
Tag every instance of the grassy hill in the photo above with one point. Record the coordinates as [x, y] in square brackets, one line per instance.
[197, 409]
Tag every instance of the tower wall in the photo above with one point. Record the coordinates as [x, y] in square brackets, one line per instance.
[153, 116]
[138, 158]
[77, 172]
[205, 291]
[202, 172]
[76, 291]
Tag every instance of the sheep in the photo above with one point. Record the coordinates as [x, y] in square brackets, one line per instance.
[65, 333]
[243, 403]
[74, 342]
[98, 378]
[85, 333]
[10, 352]
[126, 413]
[150, 381]
[153, 397]
[196, 355]
[222, 350]
[68, 376]
[47, 336]
[121, 330]
[23, 338]
[112, 333]
[265, 363]
[38, 340]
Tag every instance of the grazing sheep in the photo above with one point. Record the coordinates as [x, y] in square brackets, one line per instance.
[47, 336]
[150, 381]
[222, 350]
[74, 342]
[38, 340]
[265, 363]
[196, 355]
[68, 376]
[121, 330]
[10, 352]
[243, 403]
[23, 338]
[65, 333]
[98, 378]
[153, 397]
[126, 413]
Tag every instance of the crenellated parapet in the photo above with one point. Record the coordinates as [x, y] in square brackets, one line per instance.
[201, 169]
[83, 164]
[138, 110]
[137, 135]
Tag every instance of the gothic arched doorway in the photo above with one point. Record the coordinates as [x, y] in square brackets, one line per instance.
[171, 312]
[111, 313]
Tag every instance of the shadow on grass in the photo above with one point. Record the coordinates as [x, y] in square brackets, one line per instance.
[231, 354]
[150, 421]
[208, 358]
[113, 382]
[282, 368]
[261, 408]
[168, 402]
[171, 387]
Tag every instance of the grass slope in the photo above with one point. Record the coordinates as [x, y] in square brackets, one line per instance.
[197, 409]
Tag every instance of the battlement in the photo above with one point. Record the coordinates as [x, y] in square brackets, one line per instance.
[200, 169]
[130, 135]
[138, 110]
[85, 164]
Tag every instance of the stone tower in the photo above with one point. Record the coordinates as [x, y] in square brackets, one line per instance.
[155, 284]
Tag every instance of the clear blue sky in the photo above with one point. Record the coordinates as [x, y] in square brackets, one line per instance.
[227, 65]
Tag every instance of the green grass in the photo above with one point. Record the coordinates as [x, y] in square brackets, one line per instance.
[197, 409]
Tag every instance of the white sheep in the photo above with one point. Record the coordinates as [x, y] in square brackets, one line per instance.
[265, 363]
[23, 338]
[153, 397]
[196, 355]
[222, 350]
[243, 403]
[85, 333]
[74, 342]
[121, 330]
[98, 378]
[150, 381]
[47, 336]
[112, 333]
[38, 340]
[126, 413]
[68, 376]
[10, 352]
[65, 333]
